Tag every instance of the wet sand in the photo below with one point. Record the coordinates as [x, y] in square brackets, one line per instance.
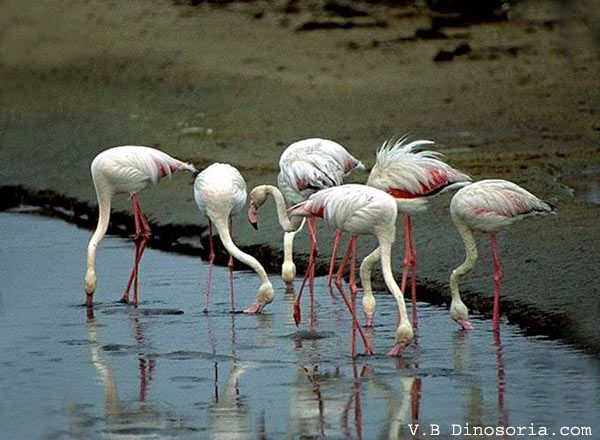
[78, 77]
[166, 369]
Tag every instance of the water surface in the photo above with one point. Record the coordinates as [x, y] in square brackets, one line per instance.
[153, 373]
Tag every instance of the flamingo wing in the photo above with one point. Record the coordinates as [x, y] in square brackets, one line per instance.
[492, 204]
[404, 172]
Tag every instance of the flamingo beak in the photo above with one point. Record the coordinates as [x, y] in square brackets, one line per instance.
[465, 324]
[253, 216]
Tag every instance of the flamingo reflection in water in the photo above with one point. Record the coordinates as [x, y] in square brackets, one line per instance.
[462, 363]
[329, 404]
[125, 418]
[228, 415]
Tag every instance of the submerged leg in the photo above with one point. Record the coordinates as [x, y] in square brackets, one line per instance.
[310, 270]
[340, 287]
[353, 290]
[498, 275]
[230, 265]
[211, 262]
[334, 251]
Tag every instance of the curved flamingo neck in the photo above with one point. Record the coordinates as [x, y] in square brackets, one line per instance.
[471, 258]
[104, 201]
[237, 253]
[288, 243]
[284, 220]
[385, 246]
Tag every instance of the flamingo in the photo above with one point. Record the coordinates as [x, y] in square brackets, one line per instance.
[412, 177]
[361, 210]
[488, 206]
[126, 169]
[219, 191]
[305, 167]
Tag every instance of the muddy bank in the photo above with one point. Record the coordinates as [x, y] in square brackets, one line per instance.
[180, 239]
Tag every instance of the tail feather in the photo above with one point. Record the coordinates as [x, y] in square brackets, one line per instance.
[302, 209]
[188, 167]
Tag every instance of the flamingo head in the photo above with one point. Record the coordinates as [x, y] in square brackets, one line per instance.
[368, 303]
[460, 314]
[258, 196]
[288, 272]
[90, 282]
[404, 333]
[265, 294]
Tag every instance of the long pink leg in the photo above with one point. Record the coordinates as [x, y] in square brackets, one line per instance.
[340, 287]
[498, 275]
[297, 313]
[230, 264]
[406, 258]
[138, 230]
[413, 275]
[353, 289]
[311, 287]
[309, 273]
[211, 262]
[312, 229]
[334, 251]
[142, 246]
[141, 237]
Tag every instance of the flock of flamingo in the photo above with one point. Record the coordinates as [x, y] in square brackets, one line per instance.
[310, 186]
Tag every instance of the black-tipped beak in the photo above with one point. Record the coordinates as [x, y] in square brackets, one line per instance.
[253, 216]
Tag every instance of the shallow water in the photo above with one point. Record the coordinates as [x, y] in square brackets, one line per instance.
[586, 184]
[154, 373]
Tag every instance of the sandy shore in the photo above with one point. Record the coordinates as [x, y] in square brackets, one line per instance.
[210, 83]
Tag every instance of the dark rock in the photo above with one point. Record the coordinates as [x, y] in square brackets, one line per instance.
[430, 34]
[444, 55]
[462, 49]
[312, 25]
[344, 9]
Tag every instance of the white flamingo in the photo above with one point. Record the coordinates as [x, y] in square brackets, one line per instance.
[362, 210]
[487, 206]
[126, 169]
[305, 167]
[412, 177]
[219, 191]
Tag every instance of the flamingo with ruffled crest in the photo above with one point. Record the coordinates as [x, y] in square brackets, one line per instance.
[220, 191]
[412, 177]
[488, 206]
[305, 167]
[126, 169]
[360, 210]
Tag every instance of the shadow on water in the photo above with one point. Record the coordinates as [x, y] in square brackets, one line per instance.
[166, 369]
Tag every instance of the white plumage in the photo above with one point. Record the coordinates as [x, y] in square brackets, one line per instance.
[407, 173]
[310, 165]
[126, 169]
[219, 191]
[363, 210]
[353, 208]
[491, 205]
[132, 168]
[305, 167]
[412, 177]
[487, 206]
